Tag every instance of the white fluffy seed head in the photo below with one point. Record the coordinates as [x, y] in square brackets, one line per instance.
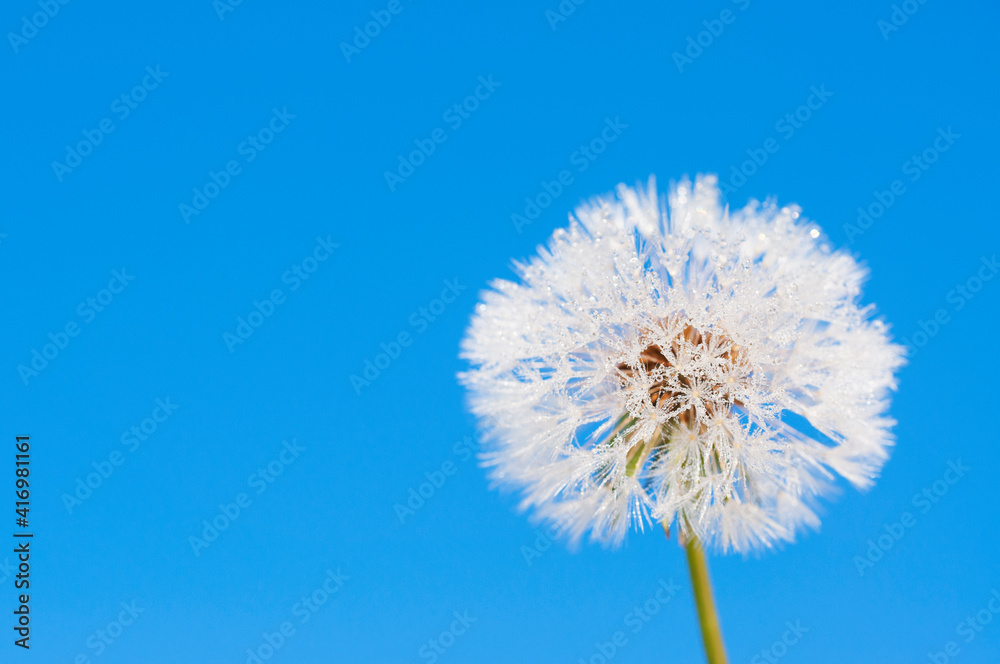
[707, 370]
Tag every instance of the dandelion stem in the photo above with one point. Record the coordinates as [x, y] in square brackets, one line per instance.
[711, 634]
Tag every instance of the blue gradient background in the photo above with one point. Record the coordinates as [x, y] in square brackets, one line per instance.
[333, 508]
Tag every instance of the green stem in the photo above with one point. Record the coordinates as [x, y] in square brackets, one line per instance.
[711, 634]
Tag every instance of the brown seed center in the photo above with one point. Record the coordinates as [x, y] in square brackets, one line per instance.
[712, 388]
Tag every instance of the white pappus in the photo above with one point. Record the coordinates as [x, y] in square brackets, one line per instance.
[675, 362]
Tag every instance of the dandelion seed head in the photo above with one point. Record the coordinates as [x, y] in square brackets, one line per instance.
[673, 361]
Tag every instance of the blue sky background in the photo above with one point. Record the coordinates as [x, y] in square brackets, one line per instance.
[332, 506]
